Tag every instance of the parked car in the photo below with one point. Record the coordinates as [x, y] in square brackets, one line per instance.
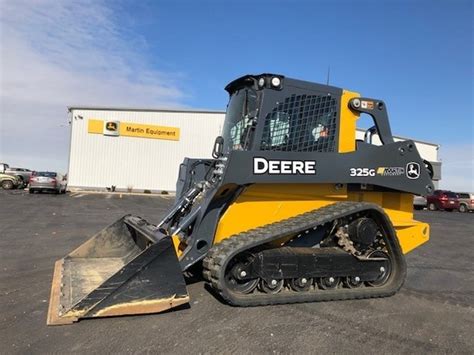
[8, 182]
[466, 201]
[47, 181]
[22, 173]
[443, 200]
[419, 202]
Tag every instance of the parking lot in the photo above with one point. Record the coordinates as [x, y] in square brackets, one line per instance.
[432, 313]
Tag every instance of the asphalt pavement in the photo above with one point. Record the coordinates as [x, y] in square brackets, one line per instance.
[432, 313]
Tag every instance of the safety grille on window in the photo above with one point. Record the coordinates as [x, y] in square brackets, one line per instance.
[302, 123]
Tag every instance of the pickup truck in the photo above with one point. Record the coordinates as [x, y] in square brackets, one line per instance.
[8, 182]
[21, 173]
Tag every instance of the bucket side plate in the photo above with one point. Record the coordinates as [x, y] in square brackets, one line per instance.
[102, 284]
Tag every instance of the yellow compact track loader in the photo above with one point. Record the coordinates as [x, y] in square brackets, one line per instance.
[292, 208]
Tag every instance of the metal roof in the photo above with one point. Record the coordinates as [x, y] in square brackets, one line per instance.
[138, 109]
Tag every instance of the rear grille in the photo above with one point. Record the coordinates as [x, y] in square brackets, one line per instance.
[303, 123]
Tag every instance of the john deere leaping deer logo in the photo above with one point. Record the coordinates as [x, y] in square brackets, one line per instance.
[111, 128]
[413, 170]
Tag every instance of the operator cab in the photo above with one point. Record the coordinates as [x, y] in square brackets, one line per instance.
[269, 112]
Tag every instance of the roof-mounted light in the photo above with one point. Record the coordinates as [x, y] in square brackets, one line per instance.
[276, 81]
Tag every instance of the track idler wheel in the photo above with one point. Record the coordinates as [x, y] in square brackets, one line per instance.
[328, 283]
[234, 270]
[352, 282]
[301, 284]
[384, 272]
[272, 287]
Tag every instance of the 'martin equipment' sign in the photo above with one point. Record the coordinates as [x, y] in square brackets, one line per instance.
[127, 129]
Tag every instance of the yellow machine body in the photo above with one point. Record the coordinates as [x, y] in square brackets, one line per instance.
[268, 203]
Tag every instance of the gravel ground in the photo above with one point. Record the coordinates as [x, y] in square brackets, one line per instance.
[432, 313]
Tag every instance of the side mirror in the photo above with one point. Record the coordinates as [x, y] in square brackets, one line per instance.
[218, 147]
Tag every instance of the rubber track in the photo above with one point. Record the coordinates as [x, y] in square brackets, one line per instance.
[215, 263]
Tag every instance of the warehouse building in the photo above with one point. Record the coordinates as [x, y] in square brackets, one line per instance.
[141, 149]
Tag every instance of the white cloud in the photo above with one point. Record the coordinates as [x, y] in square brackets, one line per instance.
[55, 54]
[457, 167]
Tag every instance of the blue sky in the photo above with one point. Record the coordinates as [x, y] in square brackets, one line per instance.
[415, 55]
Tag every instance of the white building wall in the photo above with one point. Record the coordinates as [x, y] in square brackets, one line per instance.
[98, 161]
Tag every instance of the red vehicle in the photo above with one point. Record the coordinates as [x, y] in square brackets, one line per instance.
[443, 200]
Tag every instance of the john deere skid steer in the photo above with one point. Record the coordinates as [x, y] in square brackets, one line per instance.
[292, 208]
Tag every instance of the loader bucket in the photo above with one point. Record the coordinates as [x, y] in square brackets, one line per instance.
[127, 268]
